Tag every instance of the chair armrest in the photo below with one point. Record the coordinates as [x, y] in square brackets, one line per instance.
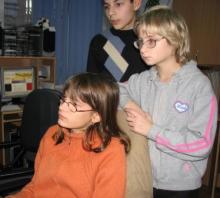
[15, 172]
[8, 144]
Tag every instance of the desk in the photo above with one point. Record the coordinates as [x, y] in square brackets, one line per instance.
[9, 121]
[37, 62]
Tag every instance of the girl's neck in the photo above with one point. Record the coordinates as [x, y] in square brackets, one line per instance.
[167, 70]
[76, 131]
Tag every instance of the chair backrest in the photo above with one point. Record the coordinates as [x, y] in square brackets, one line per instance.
[40, 112]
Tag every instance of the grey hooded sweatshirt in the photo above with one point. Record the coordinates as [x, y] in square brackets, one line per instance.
[184, 113]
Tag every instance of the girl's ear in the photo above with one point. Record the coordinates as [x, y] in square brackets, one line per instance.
[96, 118]
[137, 4]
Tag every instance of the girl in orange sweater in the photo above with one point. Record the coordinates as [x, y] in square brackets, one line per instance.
[84, 155]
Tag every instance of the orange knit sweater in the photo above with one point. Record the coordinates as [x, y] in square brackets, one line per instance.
[67, 170]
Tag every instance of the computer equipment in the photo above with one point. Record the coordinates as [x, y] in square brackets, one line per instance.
[10, 107]
[9, 42]
[16, 82]
[35, 41]
[49, 42]
[1, 39]
[27, 41]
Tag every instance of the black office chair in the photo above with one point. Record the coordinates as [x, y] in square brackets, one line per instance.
[40, 111]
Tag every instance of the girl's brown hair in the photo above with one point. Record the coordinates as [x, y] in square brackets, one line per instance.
[102, 95]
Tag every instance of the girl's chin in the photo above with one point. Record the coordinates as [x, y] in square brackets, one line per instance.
[61, 123]
[116, 27]
[148, 60]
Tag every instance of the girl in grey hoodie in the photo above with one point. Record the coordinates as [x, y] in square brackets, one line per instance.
[178, 111]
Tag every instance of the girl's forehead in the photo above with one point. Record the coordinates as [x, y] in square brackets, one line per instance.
[74, 96]
[71, 95]
[147, 31]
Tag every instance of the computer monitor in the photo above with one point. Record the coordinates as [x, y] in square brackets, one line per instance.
[16, 82]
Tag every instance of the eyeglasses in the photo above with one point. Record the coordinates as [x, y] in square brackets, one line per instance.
[149, 43]
[72, 107]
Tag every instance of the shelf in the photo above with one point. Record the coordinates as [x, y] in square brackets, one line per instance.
[37, 62]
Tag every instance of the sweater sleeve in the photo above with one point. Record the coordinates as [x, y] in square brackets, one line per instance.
[194, 141]
[111, 176]
[130, 90]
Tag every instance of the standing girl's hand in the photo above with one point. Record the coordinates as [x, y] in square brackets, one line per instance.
[139, 121]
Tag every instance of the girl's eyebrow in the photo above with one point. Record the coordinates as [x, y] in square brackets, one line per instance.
[151, 35]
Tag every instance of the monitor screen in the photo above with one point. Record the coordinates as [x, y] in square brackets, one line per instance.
[17, 81]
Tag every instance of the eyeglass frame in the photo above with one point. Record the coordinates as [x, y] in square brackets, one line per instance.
[62, 100]
[143, 41]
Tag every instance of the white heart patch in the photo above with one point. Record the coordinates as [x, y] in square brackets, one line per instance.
[181, 107]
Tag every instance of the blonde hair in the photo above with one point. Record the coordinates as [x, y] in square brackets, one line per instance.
[167, 23]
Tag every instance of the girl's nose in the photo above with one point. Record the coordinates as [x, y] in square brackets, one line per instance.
[142, 49]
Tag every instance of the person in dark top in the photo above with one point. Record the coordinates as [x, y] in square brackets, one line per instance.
[121, 15]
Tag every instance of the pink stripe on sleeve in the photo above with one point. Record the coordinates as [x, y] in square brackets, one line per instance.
[199, 144]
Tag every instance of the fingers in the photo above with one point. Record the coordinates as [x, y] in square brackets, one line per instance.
[138, 121]
[133, 112]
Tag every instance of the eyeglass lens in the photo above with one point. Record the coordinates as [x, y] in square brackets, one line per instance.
[149, 43]
[70, 106]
